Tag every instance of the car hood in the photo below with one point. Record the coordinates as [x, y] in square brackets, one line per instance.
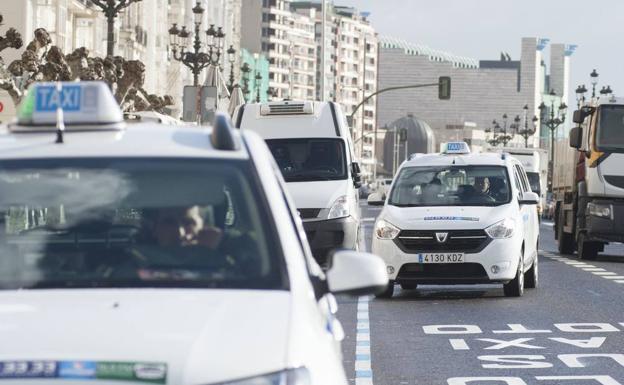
[444, 217]
[317, 195]
[202, 336]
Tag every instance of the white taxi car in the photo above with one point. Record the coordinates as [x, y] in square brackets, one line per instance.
[159, 254]
[459, 218]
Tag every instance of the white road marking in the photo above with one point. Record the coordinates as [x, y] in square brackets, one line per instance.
[597, 271]
[459, 344]
[614, 277]
[371, 219]
[603, 273]
[363, 366]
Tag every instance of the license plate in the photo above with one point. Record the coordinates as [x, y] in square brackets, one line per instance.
[441, 258]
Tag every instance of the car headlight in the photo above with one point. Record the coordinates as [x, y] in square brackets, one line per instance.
[386, 230]
[340, 208]
[502, 229]
[299, 376]
[600, 210]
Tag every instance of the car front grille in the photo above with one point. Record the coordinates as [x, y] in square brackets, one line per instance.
[443, 272]
[424, 241]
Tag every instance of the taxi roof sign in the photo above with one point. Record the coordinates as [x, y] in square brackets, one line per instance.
[85, 103]
[456, 148]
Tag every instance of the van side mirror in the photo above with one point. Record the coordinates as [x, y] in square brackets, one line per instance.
[576, 136]
[356, 171]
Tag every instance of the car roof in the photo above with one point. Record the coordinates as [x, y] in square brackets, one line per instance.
[476, 159]
[134, 140]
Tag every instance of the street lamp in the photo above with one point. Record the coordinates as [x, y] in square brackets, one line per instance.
[552, 122]
[594, 81]
[197, 60]
[527, 132]
[258, 83]
[581, 90]
[494, 129]
[506, 137]
[231, 58]
[245, 69]
[111, 9]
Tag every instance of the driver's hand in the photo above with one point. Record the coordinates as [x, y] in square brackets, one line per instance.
[210, 237]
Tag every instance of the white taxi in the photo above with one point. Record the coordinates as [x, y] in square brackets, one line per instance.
[158, 254]
[459, 218]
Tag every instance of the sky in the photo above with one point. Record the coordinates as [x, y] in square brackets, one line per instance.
[481, 29]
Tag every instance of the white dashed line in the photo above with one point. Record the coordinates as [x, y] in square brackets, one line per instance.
[363, 367]
[597, 271]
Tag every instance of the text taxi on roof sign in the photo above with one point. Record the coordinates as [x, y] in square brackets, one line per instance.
[151, 231]
[459, 218]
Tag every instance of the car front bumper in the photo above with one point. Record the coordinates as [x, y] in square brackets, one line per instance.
[607, 229]
[327, 235]
[477, 267]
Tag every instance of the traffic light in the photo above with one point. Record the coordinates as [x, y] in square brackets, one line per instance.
[444, 88]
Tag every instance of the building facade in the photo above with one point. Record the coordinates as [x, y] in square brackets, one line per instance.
[482, 91]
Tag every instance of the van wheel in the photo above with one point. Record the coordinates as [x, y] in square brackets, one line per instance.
[388, 292]
[586, 249]
[565, 241]
[515, 287]
[531, 277]
[409, 286]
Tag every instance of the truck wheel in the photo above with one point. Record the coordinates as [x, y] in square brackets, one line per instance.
[409, 286]
[531, 277]
[515, 287]
[388, 292]
[565, 241]
[586, 249]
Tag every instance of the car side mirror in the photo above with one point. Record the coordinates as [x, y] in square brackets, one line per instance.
[355, 273]
[376, 199]
[528, 198]
[576, 137]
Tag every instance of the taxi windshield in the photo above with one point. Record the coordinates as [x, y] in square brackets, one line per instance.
[87, 223]
[307, 160]
[451, 186]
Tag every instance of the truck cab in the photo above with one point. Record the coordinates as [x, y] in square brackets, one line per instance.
[590, 195]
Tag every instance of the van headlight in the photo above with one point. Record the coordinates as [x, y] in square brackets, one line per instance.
[502, 229]
[386, 230]
[600, 210]
[299, 376]
[340, 208]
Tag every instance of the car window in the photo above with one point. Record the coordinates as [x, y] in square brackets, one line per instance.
[135, 223]
[522, 178]
[451, 186]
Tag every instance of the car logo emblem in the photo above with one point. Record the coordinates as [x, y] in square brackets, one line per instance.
[441, 237]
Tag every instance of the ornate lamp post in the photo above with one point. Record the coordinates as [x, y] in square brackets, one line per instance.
[506, 137]
[111, 9]
[594, 81]
[197, 61]
[246, 69]
[232, 59]
[258, 85]
[580, 95]
[527, 132]
[552, 121]
[494, 141]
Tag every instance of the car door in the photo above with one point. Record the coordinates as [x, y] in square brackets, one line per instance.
[327, 304]
[525, 214]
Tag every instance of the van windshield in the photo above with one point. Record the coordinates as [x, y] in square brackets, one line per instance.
[311, 159]
[451, 186]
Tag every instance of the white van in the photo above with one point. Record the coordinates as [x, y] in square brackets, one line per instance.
[312, 147]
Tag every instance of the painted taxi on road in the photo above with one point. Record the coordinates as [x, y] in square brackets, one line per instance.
[150, 253]
[459, 218]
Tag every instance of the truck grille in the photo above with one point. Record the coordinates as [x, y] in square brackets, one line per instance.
[423, 241]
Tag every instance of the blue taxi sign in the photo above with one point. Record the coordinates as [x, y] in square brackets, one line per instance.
[88, 103]
[457, 148]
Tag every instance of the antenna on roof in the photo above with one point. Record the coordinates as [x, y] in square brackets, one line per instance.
[60, 121]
